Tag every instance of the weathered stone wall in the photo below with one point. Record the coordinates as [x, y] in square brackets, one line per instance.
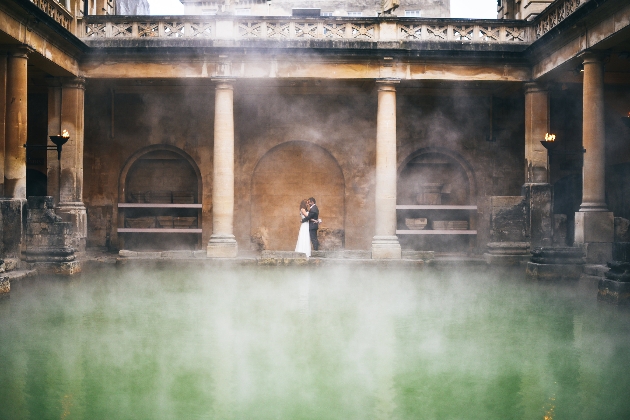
[295, 142]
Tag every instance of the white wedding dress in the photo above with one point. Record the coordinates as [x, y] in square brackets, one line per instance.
[304, 239]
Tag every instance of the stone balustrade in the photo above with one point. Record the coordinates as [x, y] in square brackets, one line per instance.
[556, 13]
[56, 11]
[293, 28]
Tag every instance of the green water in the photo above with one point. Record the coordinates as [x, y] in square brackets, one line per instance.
[316, 343]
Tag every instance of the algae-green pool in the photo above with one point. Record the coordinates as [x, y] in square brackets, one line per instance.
[310, 343]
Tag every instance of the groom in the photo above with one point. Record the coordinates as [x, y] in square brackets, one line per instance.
[313, 223]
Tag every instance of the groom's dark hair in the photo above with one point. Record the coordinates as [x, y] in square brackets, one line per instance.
[312, 200]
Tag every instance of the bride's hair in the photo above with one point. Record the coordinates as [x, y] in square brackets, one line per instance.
[303, 205]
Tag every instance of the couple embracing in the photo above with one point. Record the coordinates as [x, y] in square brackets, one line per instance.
[310, 223]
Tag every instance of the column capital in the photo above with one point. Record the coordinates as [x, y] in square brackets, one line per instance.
[223, 82]
[21, 51]
[388, 84]
[532, 87]
[589, 57]
[73, 82]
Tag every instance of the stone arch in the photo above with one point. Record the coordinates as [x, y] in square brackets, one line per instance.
[286, 174]
[166, 151]
[437, 165]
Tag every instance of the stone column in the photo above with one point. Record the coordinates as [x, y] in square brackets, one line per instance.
[594, 224]
[70, 206]
[385, 243]
[222, 243]
[536, 126]
[15, 125]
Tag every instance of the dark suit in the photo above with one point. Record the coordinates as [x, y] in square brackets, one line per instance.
[311, 218]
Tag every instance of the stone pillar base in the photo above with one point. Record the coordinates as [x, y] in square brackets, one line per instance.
[60, 268]
[222, 246]
[596, 231]
[76, 215]
[386, 248]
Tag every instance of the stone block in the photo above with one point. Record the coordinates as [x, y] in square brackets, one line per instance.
[177, 254]
[552, 272]
[49, 254]
[615, 292]
[560, 229]
[619, 271]
[509, 221]
[418, 255]
[40, 202]
[598, 253]
[5, 285]
[64, 269]
[11, 224]
[508, 248]
[559, 255]
[594, 226]
[621, 251]
[622, 229]
[127, 254]
[505, 201]
[539, 200]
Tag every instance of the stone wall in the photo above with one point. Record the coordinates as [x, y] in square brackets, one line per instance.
[298, 141]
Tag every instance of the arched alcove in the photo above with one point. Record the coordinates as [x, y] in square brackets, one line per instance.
[160, 200]
[284, 176]
[436, 201]
[436, 168]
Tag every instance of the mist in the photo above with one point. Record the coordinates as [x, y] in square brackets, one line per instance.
[318, 343]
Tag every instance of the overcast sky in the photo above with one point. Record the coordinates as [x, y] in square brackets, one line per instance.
[481, 9]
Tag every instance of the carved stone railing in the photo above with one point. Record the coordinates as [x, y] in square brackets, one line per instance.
[56, 11]
[556, 13]
[324, 28]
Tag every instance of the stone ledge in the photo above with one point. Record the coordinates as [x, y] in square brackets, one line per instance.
[597, 270]
[551, 272]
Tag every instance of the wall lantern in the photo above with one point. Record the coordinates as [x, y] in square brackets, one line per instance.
[58, 141]
[551, 145]
[549, 142]
[626, 120]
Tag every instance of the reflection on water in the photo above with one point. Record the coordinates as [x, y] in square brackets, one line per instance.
[316, 343]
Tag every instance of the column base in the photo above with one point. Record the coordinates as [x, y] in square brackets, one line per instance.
[75, 214]
[222, 246]
[595, 230]
[386, 248]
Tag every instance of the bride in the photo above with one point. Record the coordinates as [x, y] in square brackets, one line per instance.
[304, 241]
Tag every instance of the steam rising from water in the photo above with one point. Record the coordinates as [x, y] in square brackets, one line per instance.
[309, 343]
